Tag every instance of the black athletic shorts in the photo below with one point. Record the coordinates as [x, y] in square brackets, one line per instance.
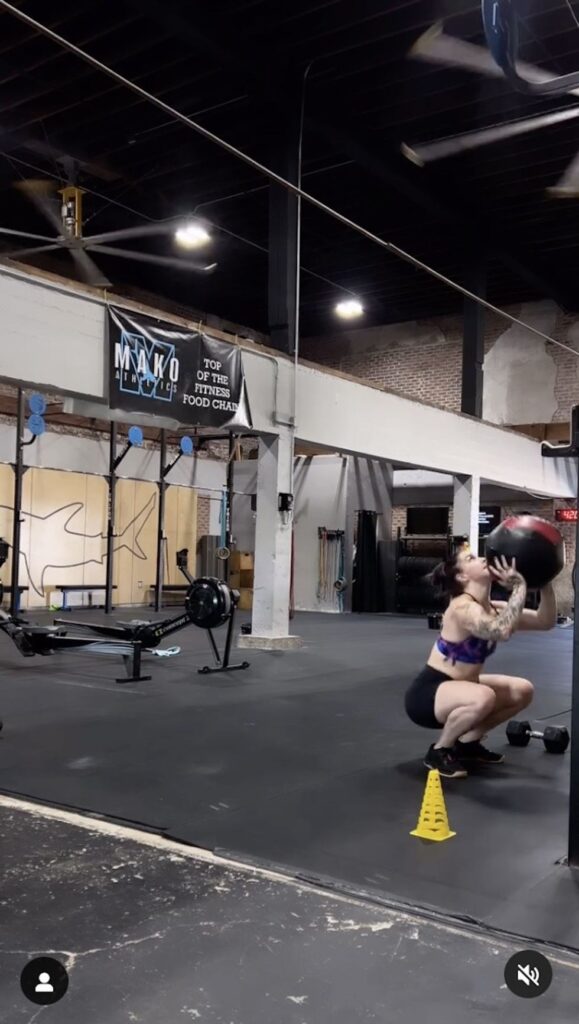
[419, 701]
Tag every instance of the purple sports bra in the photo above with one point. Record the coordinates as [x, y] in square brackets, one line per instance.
[472, 651]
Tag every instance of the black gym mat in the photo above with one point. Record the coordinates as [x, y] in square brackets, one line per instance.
[306, 760]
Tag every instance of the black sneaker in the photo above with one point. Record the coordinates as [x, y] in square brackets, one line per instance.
[475, 754]
[446, 762]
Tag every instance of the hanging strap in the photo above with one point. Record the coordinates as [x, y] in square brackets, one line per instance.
[223, 551]
[223, 517]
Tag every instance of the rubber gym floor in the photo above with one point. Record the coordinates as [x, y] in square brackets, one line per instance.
[306, 764]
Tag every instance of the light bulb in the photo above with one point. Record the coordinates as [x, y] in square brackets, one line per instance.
[192, 236]
[349, 309]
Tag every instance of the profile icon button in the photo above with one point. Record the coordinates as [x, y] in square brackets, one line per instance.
[44, 981]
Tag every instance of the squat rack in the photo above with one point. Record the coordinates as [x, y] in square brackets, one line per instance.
[36, 426]
[135, 439]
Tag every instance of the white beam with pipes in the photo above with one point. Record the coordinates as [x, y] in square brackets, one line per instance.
[53, 337]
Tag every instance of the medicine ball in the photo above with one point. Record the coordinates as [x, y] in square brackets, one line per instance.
[536, 545]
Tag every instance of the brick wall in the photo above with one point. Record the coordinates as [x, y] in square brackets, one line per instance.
[423, 360]
[203, 513]
[398, 519]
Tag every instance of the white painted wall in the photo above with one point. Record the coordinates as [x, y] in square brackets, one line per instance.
[215, 515]
[520, 372]
[320, 500]
[320, 492]
[242, 518]
[328, 490]
[320, 486]
[421, 478]
[333, 411]
[85, 455]
[354, 418]
[51, 336]
[526, 380]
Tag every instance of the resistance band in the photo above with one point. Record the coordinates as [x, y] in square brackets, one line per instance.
[331, 582]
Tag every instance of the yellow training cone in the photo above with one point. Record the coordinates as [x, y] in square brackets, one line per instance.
[433, 821]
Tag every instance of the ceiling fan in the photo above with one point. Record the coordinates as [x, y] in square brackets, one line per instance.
[68, 223]
[500, 59]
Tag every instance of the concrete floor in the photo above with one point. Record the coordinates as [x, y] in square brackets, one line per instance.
[155, 933]
[306, 761]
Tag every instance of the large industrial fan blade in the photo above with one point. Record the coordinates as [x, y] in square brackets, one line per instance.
[17, 254]
[426, 152]
[436, 47]
[88, 268]
[68, 223]
[25, 234]
[568, 185]
[39, 192]
[145, 257]
[142, 231]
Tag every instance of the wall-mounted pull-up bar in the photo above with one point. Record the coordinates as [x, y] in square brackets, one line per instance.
[135, 440]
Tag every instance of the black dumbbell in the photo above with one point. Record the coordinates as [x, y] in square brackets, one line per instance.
[435, 621]
[555, 739]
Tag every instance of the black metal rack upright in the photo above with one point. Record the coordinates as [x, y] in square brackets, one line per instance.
[557, 452]
[18, 479]
[416, 557]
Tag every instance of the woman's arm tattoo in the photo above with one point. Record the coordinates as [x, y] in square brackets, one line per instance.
[501, 626]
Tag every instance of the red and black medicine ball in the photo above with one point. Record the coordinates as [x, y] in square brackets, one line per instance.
[536, 545]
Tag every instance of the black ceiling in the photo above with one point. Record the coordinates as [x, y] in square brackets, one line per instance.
[231, 64]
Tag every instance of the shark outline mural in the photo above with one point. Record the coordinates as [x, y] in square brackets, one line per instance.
[62, 517]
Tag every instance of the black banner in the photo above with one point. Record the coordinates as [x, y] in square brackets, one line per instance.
[162, 369]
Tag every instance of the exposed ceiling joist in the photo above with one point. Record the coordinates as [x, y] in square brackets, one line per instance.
[13, 139]
[268, 76]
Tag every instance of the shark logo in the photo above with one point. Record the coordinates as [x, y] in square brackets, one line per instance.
[145, 367]
[78, 548]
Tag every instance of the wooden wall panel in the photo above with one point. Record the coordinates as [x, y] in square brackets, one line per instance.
[135, 547]
[64, 534]
[180, 530]
[6, 517]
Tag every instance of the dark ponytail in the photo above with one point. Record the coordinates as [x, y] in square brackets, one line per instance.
[444, 578]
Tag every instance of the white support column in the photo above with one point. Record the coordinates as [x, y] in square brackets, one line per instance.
[273, 537]
[466, 509]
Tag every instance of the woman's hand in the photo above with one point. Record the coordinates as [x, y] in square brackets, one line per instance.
[506, 575]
